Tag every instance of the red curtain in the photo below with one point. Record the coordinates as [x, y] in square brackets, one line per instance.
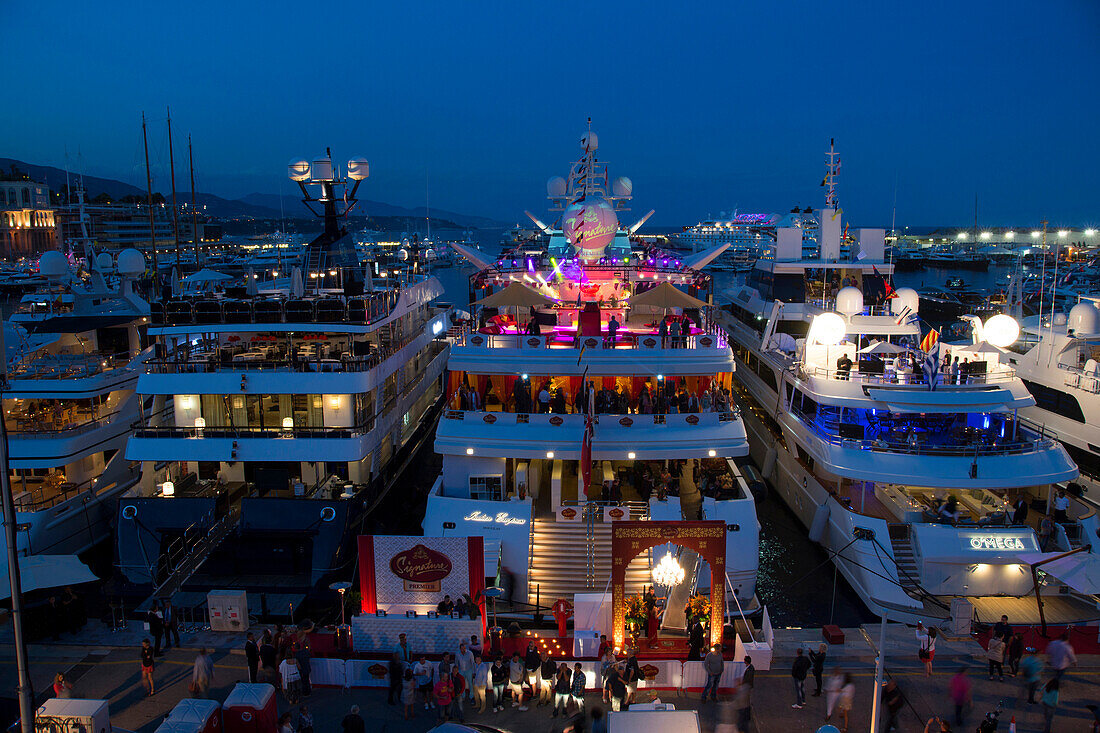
[367, 589]
[475, 555]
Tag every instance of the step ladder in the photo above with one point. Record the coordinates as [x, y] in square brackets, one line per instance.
[573, 557]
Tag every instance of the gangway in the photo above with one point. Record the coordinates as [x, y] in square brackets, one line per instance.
[180, 563]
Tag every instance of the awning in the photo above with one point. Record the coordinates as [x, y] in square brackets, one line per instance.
[39, 572]
[702, 259]
[924, 400]
[516, 294]
[476, 257]
[1081, 571]
[666, 295]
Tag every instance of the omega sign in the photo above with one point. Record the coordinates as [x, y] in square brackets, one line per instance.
[995, 542]
[421, 568]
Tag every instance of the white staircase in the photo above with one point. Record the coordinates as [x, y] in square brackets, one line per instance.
[908, 573]
[565, 560]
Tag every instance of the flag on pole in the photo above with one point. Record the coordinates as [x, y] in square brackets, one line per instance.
[932, 358]
[889, 288]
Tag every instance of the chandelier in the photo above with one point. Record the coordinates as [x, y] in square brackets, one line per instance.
[668, 572]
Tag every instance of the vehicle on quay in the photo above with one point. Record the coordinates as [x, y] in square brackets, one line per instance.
[280, 415]
[574, 335]
[907, 474]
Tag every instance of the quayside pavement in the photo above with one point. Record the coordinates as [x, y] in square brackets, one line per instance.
[105, 665]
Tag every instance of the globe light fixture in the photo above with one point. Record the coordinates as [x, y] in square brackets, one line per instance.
[668, 572]
[1001, 330]
[827, 329]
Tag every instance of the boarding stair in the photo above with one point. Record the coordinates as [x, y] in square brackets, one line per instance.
[575, 557]
[902, 544]
[185, 556]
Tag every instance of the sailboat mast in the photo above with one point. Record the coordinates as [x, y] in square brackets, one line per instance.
[149, 202]
[194, 211]
[175, 209]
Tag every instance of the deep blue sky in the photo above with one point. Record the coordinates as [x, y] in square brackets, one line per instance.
[705, 105]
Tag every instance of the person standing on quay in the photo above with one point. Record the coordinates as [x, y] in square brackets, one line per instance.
[171, 625]
[927, 651]
[817, 659]
[146, 666]
[1049, 702]
[960, 694]
[1014, 651]
[712, 666]
[465, 662]
[202, 674]
[481, 682]
[252, 656]
[1031, 669]
[396, 678]
[798, 672]
[893, 700]
[156, 627]
[1060, 655]
[995, 653]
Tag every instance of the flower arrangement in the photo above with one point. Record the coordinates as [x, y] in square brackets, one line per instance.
[635, 610]
[699, 607]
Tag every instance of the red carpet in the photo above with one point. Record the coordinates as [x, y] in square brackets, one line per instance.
[1083, 639]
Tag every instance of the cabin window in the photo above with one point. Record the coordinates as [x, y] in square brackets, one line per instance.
[1056, 401]
[488, 487]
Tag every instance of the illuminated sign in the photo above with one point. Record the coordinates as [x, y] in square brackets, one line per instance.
[501, 518]
[421, 568]
[996, 542]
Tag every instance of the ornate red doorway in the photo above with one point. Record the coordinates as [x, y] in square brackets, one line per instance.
[629, 539]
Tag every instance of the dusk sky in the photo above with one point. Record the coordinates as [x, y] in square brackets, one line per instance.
[706, 106]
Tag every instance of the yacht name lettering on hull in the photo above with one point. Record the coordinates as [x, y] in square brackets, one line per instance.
[501, 518]
[993, 542]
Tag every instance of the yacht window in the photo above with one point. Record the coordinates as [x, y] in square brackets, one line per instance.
[488, 487]
[1056, 401]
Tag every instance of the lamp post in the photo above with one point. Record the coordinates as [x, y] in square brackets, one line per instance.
[343, 635]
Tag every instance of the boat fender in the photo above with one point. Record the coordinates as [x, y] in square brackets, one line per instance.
[769, 462]
[820, 523]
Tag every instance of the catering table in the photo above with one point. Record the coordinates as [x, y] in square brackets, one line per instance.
[899, 503]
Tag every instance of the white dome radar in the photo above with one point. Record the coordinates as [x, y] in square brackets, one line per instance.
[103, 261]
[555, 187]
[131, 263]
[1060, 319]
[906, 298]
[1083, 319]
[622, 187]
[53, 265]
[849, 301]
[590, 141]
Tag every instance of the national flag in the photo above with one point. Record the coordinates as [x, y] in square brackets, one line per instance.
[932, 359]
[930, 340]
[906, 316]
[890, 292]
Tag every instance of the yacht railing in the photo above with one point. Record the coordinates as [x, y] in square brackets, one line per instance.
[624, 340]
[1001, 374]
[199, 311]
[626, 420]
[1078, 378]
[921, 448]
[68, 366]
[39, 497]
[248, 431]
[28, 429]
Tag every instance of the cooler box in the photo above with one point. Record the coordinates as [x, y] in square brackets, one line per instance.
[199, 716]
[833, 634]
[228, 610]
[59, 715]
[250, 708]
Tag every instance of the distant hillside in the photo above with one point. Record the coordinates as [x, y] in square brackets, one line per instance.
[254, 205]
[378, 208]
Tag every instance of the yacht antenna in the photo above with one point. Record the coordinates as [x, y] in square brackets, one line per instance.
[427, 208]
[24, 689]
[149, 203]
[832, 167]
[894, 218]
[194, 212]
[1053, 299]
[175, 209]
[1043, 281]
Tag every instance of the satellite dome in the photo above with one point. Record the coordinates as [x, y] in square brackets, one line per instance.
[53, 265]
[1060, 319]
[1083, 318]
[555, 187]
[589, 141]
[849, 301]
[131, 263]
[298, 169]
[906, 298]
[622, 187]
[322, 168]
[103, 261]
[358, 169]
[402, 254]
[429, 254]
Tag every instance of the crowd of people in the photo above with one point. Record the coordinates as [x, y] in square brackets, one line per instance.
[662, 397]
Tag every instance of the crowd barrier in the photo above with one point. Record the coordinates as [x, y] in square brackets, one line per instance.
[660, 674]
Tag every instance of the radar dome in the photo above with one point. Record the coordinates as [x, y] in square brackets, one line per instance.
[53, 265]
[131, 263]
[103, 261]
[358, 169]
[429, 254]
[590, 226]
[555, 187]
[322, 168]
[1060, 319]
[298, 169]
[906, 298]
[1083, 318]
[402, 254]
[622, 187]
[849, 301]
[589, 141]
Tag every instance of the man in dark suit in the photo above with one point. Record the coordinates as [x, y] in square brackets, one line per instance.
[252, 656]
[696, 641]
[171, 625]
